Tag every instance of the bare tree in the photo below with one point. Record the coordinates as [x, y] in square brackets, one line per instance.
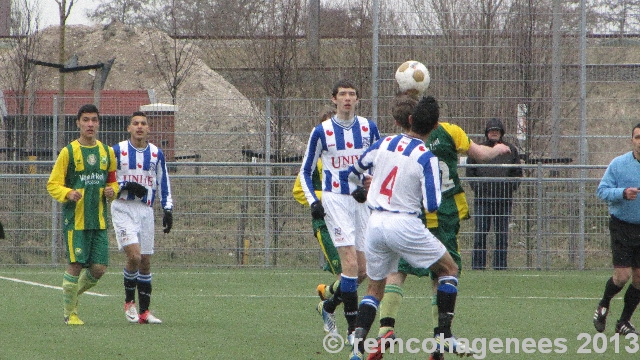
[24, 28]
[173, 58]
[129, 12]
[616, 16]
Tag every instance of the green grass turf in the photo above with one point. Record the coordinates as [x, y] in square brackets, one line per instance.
[270, 314]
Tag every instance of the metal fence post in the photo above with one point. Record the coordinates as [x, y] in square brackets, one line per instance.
[375, 62]
[267, 185]
[54, 203]
[539, 217]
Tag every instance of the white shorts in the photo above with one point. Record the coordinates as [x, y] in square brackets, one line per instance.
[346, 219]
[133, 222]
[391, 236]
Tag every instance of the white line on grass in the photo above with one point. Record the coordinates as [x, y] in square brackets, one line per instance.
[46, 286]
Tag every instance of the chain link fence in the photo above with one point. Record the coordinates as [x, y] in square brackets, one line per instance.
[566, 95]
[243, 214]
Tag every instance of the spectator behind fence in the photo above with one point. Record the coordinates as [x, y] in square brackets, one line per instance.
[493, 199]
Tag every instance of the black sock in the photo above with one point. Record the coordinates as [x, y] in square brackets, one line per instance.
[631, 300]
[610, 290]
[387, 322]
[446, 300]
[130, 282]
[144, 292]
[350, 300]
[332, 303]
[366, 317]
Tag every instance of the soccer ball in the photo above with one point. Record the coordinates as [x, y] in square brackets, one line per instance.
[413, 77]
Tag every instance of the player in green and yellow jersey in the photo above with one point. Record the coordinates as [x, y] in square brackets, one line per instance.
[446, 142]
[82, 179]
[320, 231]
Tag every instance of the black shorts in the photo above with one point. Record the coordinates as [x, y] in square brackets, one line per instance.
[625, 243]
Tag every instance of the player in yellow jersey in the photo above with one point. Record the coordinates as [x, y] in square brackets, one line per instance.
[82, 179]
[446, 142]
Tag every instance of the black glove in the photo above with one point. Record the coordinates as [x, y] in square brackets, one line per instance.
[167, 221]
[317, 210]
[135, 188]
[360, 194]
[1, 231]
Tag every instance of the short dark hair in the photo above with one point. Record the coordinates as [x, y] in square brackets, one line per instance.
[139, 113]
[425, 116]
[402, 106]
[634, 128]
[344, 83]
[87, 109]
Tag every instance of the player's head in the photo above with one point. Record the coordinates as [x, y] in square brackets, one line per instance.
[88, 122]
[138, 127]
[633, 131]
[402, 106]
[87, 109]
[344, 84]
[425, 115]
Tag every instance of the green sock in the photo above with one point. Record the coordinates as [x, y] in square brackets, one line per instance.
[69, 293]
[331, 289]
[86, 281]
[390, 306]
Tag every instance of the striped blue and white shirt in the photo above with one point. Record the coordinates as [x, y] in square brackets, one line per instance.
[338, 147]
[147, 167]
[406, 175]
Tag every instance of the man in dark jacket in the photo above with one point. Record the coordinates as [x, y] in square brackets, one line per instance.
[493, 199]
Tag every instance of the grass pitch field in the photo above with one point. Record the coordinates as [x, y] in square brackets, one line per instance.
[270, 314]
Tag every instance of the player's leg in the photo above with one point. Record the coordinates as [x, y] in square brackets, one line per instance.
[77, 256]
[447, 233]
[340, 219]
[381, 260]
[393, 296]
[447, 270]
[326, 291]
[348, 285]
[622, 259]
[631, 300]
[366, 315]
[70, 294]
[482, 222]
[97, 243]
[127, 228]
[145, 277]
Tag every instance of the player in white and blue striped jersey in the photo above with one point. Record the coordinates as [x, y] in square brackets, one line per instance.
[406, 178]
[339, 142]
[143, 177]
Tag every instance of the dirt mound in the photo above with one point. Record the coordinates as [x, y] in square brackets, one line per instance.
[214, 119]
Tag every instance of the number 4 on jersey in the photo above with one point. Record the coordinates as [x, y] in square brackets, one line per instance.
[387, 184]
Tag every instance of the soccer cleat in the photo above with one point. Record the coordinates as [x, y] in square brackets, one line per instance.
[147, 318]
[350, 338]
[625, 328]
[329, 319]
[73, 319]
[452, 346]
[436, 356]
[376, 353]
[600, 318]
[131, 312]
[321, 288]
[356, 355]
